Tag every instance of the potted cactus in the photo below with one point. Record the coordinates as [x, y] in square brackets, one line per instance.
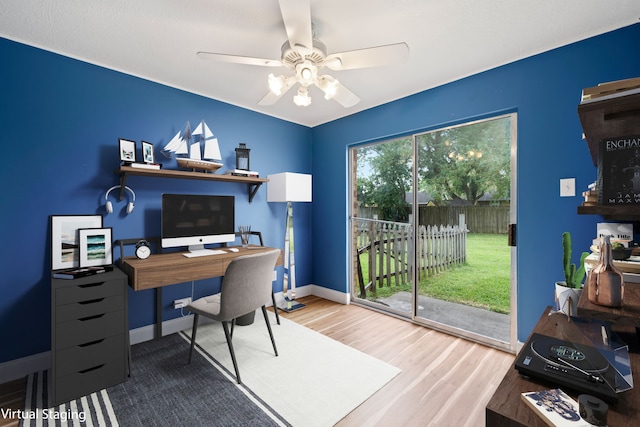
[568, 291]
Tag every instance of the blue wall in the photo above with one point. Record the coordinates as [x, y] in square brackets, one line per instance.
[61, 120]
[544, 90]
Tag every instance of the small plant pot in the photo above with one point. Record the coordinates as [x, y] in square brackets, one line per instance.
[567, 299]
[621, 254]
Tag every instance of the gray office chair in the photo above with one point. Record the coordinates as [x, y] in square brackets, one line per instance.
[246, 286]
[273, 296]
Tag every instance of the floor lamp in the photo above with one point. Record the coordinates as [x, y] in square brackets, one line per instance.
[289, 187]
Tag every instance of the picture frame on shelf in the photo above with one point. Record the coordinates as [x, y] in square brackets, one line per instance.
[65, 252]
[127, 150]
[147, 152]
[95, 245]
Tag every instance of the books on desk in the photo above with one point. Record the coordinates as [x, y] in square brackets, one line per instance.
[76, 273]
[555, 407]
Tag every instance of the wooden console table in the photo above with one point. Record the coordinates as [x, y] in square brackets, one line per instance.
[506, 407]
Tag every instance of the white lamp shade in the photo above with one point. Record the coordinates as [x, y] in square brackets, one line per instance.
[289, 187]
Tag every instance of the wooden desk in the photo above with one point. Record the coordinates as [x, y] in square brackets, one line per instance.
[170, 268]
[166, 269]
[506, 407]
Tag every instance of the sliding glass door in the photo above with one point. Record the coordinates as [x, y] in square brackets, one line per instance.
[429, 221]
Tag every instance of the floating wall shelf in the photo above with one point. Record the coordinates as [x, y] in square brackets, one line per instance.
[125, 171]
[612, 212]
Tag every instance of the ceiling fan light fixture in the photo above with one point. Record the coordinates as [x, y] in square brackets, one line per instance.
[276, 84]
[328, 85]
[302, 99]
[306, 73]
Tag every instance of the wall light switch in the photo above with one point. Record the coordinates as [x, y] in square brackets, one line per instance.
[567, 187]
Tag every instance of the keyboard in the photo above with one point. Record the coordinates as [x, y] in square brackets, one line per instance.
[203, 252]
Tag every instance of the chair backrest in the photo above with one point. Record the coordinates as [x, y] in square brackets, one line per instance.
[246, 284]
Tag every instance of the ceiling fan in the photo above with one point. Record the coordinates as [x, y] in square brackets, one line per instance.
[306, 56]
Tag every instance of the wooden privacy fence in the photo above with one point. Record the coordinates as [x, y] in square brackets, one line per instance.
[386, 248]
[479, 219]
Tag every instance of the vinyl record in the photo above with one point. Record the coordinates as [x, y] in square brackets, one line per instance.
[565, 354]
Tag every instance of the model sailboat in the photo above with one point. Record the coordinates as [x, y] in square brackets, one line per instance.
[208, 160]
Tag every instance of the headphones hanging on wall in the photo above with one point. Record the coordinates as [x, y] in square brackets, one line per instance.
[109, 207]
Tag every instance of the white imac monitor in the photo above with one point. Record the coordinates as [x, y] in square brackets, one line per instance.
[196, 220]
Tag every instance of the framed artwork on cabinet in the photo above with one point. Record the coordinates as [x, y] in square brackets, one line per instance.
[95, 247]
[65, 251]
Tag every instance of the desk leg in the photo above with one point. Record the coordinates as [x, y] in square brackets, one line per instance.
[158, 331]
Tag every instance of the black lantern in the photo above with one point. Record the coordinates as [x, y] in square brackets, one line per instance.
[242, 157]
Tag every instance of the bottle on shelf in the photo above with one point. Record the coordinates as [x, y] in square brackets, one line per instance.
[605, 284]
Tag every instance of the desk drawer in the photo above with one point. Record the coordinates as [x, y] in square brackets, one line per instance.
[175, 268]
[85, 381]
[83, 309]
[88, 291]
[81, 357]
[88, 329]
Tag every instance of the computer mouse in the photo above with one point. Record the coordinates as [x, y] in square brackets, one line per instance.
[233, 249]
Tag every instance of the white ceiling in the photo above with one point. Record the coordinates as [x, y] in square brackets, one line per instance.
[448, 39]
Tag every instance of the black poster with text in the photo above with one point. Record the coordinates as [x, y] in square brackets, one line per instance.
[619, 171]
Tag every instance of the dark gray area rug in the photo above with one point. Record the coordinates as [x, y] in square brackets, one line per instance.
[162, 391]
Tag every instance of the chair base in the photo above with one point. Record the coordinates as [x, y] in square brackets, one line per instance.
[293, 307]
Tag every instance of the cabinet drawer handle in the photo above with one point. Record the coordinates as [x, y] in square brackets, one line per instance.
[97, 316]
[90, 285]
[92, 301]
[91, 343]
[90, 369]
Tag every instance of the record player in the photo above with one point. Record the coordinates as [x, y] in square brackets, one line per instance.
[580, 367]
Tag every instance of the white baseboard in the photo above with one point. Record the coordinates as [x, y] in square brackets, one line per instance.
[147, 333]
[319, 291]
[18, 368]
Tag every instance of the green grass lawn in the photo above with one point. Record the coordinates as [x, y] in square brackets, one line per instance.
[483, 281]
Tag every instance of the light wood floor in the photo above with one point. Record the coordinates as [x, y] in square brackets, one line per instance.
[445, 381]
[11, 397]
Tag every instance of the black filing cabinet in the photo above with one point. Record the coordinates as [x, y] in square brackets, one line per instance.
[89, 335]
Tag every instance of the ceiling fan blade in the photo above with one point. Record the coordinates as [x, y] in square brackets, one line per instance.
[296, 15]
[345, 97]
[237, 59]
[390, 54]
[271, 98]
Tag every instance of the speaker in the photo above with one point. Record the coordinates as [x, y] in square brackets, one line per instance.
[109, 206]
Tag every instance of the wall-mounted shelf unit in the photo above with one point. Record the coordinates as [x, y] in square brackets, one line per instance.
[612, 212]
[253, 184]
[615, 115]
